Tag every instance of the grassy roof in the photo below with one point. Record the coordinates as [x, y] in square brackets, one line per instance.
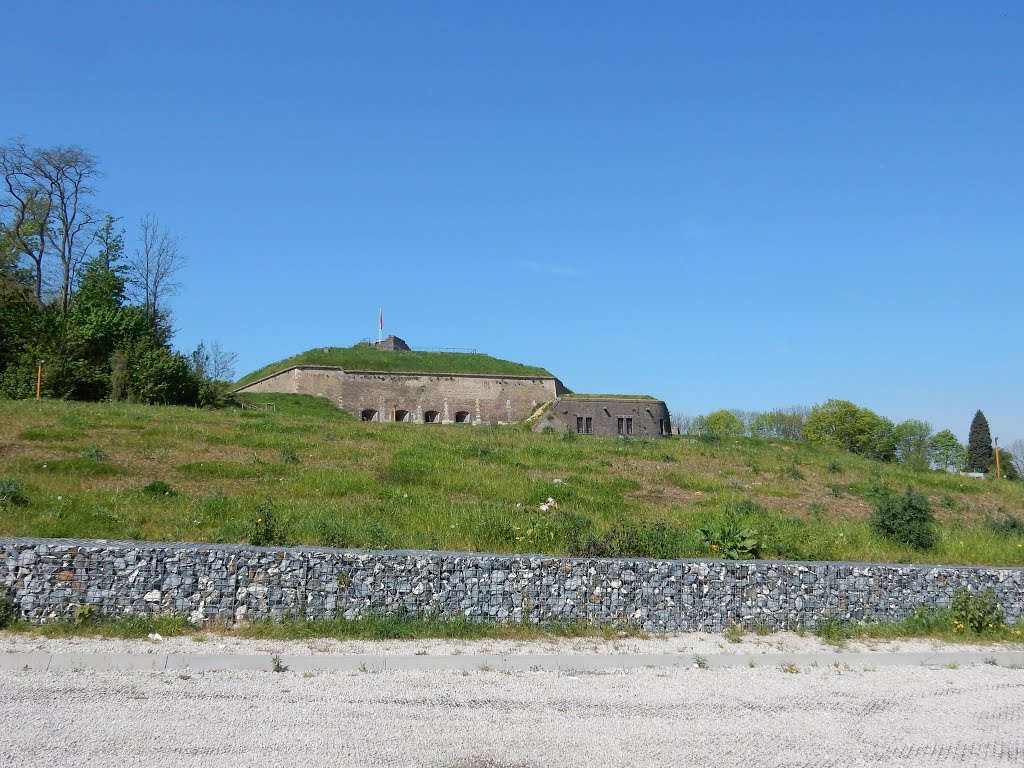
[365, 357]
[608, 397]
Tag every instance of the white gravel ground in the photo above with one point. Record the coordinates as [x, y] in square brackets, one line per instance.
[682, 642]
[762, 716]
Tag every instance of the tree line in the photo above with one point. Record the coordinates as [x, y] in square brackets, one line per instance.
[78, 306]
[842, 424]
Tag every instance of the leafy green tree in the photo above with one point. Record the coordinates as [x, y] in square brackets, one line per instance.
[1006, 465]
[979, 445]
[842, 424]
[946, 451]
[913, 440]
[721, 423]
[781, 424]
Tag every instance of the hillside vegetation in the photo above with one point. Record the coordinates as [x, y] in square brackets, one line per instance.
[308, 473]
[363, 357]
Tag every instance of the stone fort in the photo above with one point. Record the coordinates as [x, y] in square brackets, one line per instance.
[387, 381]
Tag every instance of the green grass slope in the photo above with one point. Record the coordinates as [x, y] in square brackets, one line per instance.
[88, 470]
[364, 357]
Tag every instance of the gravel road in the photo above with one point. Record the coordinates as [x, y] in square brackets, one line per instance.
[826, 715]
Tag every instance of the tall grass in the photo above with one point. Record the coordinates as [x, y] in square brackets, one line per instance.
[336, 481]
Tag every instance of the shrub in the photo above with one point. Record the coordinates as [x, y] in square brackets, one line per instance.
[288, 455]
[1010, 525]
[906, 519]
[267, 530]
[976, 613]
[12, 494]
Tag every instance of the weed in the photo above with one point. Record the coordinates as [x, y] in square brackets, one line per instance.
[762, 628]
[991, 661]
[977, 613]
[730, 539]
[8, 612]
[86, 614]
[791, 669]
[276, 665]
[95, 453]
[701, 662]
[793, 471]
[817, 510]
[834, 467]
[288, 455]
[734, 634]
[952, 665]
[159, 488]
[267, 530]
[12, 493]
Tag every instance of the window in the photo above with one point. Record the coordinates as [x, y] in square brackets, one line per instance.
[368, 415]
[624, 425]
[585, 425]
[401, 415]
[579, 425]
[431, 417]
[462, 417]
[590, 426]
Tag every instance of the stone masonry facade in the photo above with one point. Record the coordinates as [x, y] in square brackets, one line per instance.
[418, 397]
[51, 578]
[607, 416]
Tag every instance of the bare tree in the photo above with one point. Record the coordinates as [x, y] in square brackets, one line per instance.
[222, 363]
[154, 266]
[68, 172]
[1016, 449]
[27, 206]
[47, 199]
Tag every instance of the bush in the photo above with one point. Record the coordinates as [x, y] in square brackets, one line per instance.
[977, 614]
[95, 453]
[1010, 525]
[12, 494]
[288, 455]
[906, 519]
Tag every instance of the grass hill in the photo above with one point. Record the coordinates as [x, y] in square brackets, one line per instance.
[113, 470]
[365, 357]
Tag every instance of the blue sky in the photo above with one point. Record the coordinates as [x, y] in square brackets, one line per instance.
[742, 205]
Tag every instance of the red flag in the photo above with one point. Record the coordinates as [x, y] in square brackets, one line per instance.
[381, 317]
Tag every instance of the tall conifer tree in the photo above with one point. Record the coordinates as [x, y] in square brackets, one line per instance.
[979, 445]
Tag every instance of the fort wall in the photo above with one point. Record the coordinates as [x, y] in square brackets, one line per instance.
[418, 397]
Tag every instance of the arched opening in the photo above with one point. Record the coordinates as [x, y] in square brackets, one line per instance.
[401, 415]
[431, 417]
[368, 415]
[462, 417]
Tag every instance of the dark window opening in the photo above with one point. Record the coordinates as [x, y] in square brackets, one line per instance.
[368, 415]
[431, 417]
[624, 425]
[585, 425]
[401, 415]
[462, 417]
[590, 426]
[579, 425]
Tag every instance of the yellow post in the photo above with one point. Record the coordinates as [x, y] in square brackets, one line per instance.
[39, 380]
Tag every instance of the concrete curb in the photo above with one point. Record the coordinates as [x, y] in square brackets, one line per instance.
[159, 662]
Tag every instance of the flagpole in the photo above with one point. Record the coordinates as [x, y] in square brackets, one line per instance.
[380, 323]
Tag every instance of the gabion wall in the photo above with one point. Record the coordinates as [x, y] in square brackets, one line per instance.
[48, 578]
